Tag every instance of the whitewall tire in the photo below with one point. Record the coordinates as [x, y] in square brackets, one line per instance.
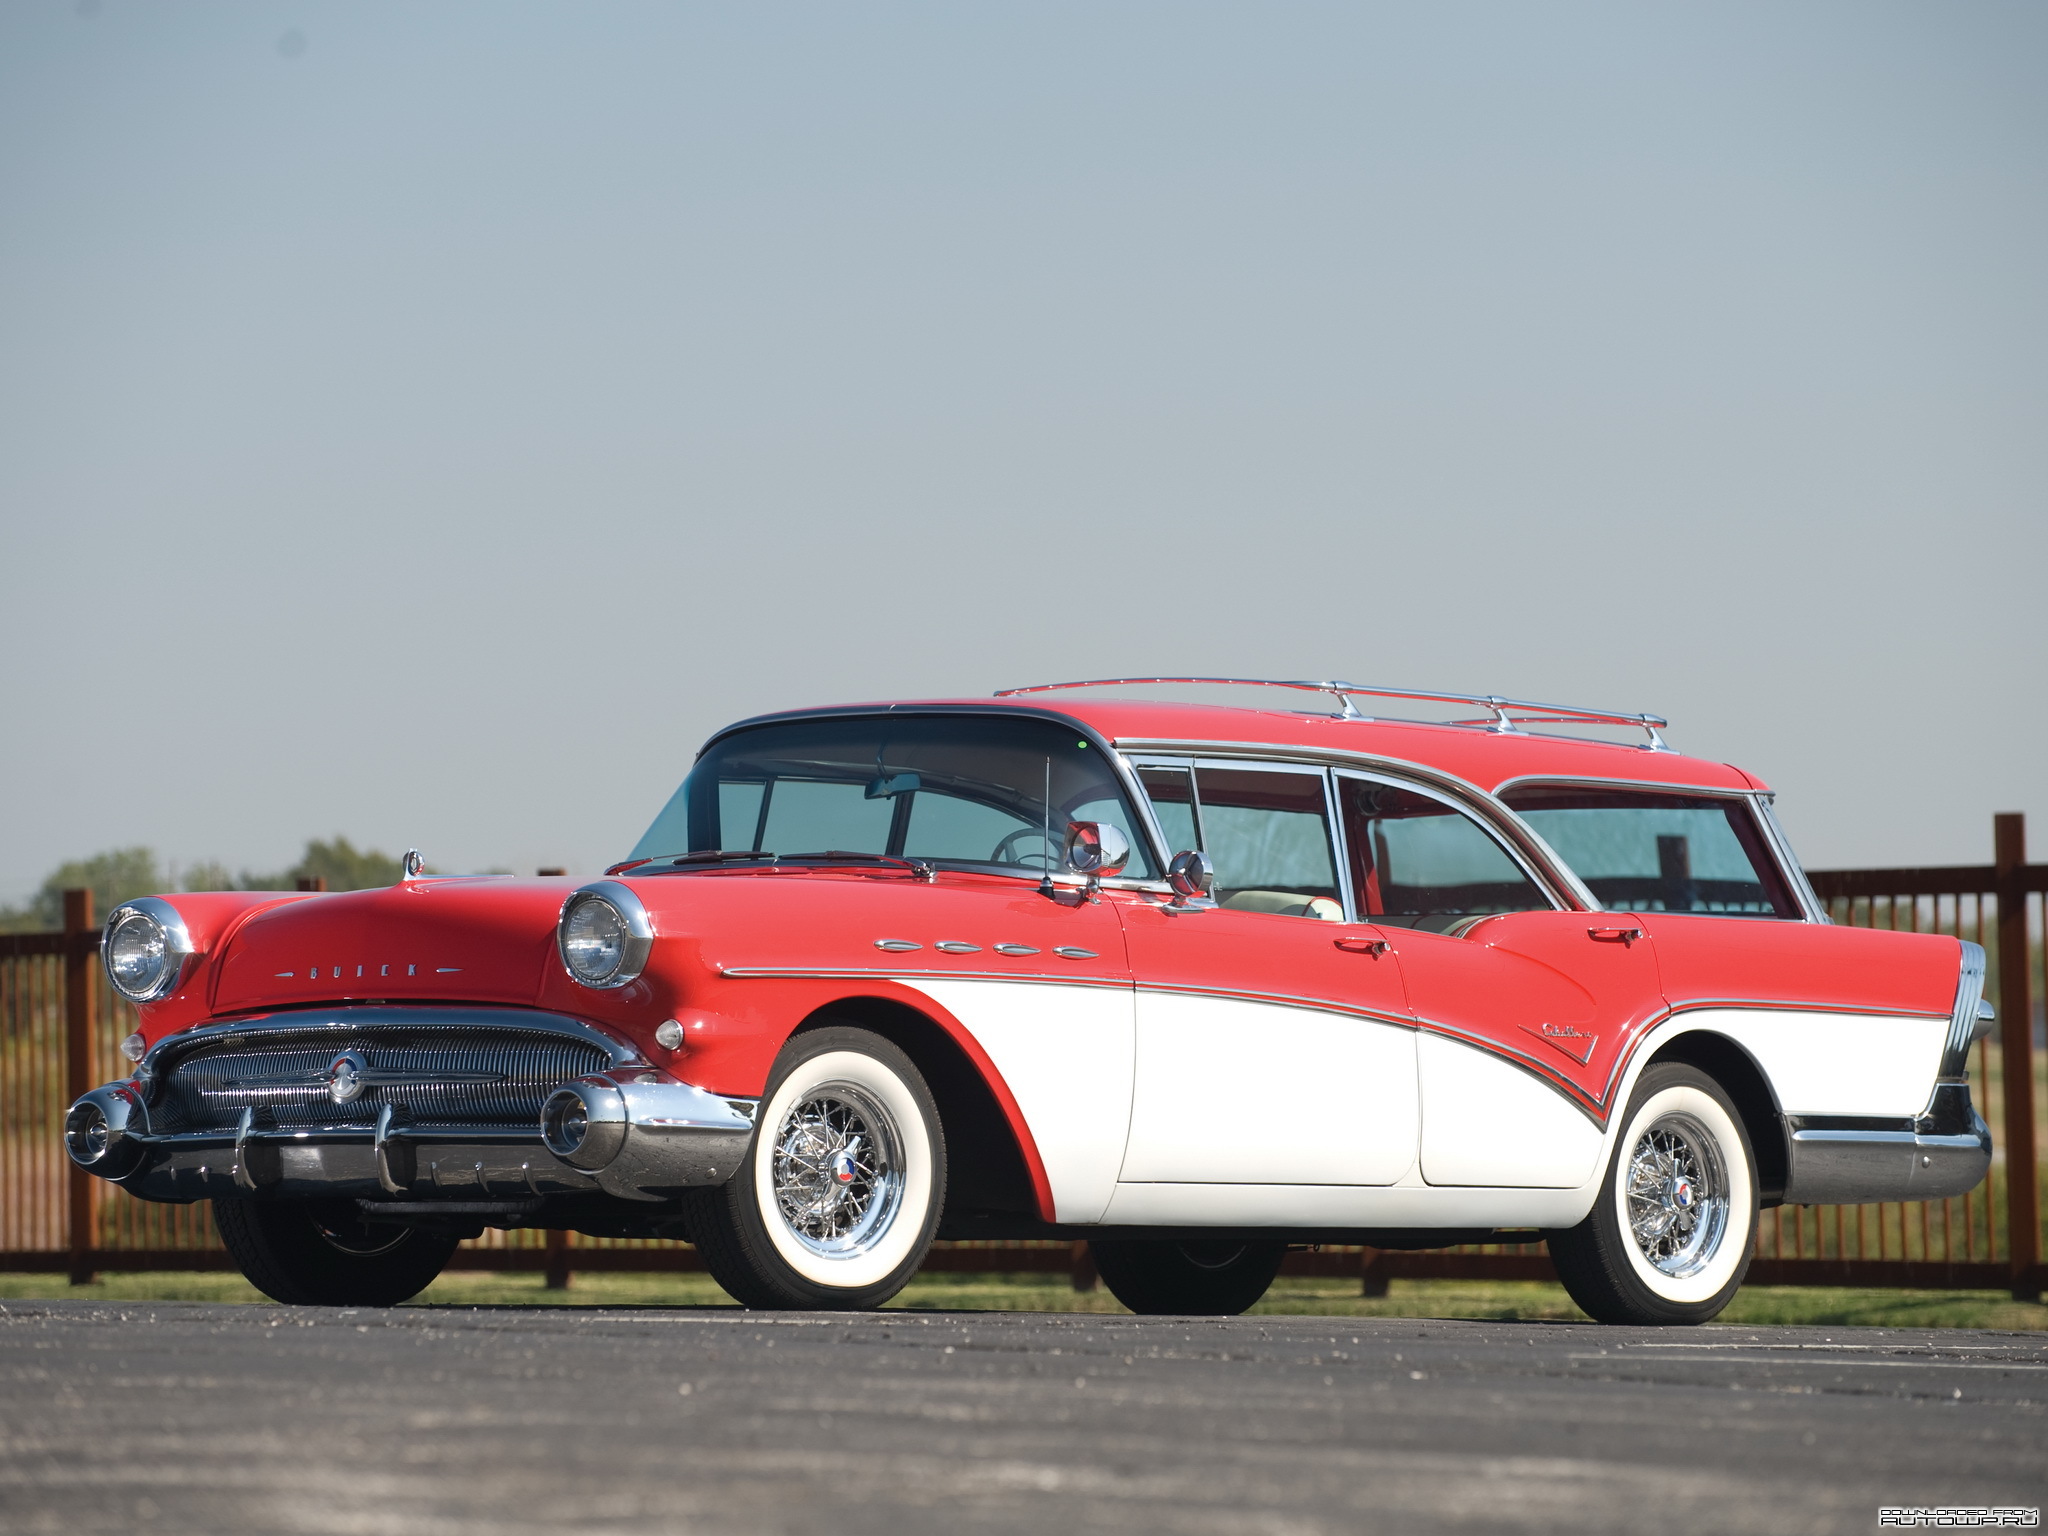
[1670, 1236]
[840, 1195]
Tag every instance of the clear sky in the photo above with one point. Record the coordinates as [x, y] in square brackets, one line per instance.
[427, 422]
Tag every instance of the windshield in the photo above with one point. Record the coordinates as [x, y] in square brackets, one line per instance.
[1641, 851]
[952, 789]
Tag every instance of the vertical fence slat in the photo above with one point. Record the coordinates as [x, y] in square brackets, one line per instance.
[78, 1011]
[2016, 1040]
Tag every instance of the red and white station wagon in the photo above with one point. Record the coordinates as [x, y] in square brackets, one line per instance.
[1192, 983]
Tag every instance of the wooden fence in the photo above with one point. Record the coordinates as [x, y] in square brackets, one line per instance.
[60, 1028]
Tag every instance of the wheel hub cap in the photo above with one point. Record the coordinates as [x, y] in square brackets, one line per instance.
[1677, 1196]
[837, 1171]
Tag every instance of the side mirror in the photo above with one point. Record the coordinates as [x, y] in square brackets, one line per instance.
[1096, 849]
[1191, 875]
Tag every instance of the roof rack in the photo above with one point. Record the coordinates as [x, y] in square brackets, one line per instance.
[1508, 715]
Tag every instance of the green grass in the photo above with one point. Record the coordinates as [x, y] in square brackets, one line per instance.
[1290, 1296]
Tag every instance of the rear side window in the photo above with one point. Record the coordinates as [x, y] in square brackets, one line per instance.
[1417, 862]
[1642, 851]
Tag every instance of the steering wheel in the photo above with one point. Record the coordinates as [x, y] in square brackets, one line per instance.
[1006, 852]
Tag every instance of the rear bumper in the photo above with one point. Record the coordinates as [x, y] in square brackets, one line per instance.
[1848, 1160]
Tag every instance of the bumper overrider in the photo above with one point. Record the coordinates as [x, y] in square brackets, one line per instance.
[405, 1104]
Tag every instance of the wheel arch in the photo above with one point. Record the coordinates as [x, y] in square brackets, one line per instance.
[992, 1164]
[1744, 1082]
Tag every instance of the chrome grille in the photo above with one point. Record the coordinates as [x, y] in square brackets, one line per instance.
[490, 1078]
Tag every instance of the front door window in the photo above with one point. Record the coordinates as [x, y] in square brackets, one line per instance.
[1266, 830]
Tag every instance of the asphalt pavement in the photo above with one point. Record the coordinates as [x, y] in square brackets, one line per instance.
[169, 1417]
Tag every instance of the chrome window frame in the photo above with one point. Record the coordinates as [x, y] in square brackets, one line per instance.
[1757, 801]
[1551, 873]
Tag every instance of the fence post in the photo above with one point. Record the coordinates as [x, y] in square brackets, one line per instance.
[1083, 1276]
[78, 1016]
[2016, 1054]
[558, 1260]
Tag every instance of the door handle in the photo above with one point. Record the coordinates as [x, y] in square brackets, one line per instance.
[1357, 944]
[1614, 935]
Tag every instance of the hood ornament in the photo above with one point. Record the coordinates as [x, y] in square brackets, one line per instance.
[413, 864]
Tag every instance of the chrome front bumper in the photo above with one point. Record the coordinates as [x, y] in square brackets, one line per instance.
[655, 1135]
[1846, 1160]
[673, 1137]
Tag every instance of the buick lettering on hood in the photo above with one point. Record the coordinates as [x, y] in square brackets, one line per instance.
[1192, 983]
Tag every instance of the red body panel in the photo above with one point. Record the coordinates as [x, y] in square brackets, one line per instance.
[1262, 957]
[1801, 965]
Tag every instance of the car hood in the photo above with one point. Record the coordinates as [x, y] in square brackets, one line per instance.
[478, 940]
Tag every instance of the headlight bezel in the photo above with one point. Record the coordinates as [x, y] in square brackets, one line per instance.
[178, 950]
[636, 943]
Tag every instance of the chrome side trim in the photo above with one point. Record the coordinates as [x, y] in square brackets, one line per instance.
[949, 973]
[1788, 1005]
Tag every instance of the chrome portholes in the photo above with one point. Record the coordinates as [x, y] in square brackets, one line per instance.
[1677, 1195]
[838, 1171]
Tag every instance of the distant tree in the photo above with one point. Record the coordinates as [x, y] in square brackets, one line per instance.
[211, 875]
[115, 876]
[122, 874]
[345, 867]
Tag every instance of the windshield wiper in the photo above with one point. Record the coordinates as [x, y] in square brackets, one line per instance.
[916, 867]
[722, 856]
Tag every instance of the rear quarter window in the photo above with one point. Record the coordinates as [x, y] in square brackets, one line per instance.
[1646, 851]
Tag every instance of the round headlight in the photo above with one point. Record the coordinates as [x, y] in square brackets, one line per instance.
[594, 940]
[144, 949]
[604, 935]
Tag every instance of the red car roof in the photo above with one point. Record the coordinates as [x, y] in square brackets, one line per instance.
[1485, 758]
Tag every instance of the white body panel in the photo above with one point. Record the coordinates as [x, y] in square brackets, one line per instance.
[1485, 1122]
[1334, 1100]
[1835, 1063]
[1339, 1206]
[1065, 1052]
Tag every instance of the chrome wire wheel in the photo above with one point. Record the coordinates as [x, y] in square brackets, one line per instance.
[837, 1171]
[1677, 1195]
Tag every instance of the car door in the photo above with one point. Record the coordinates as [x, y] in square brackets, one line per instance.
[1524, 1007]
[1273, 1040]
